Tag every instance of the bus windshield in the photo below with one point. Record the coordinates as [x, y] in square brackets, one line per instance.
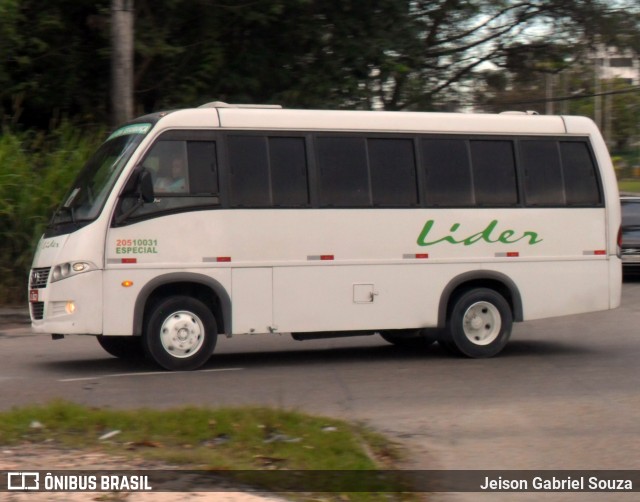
[87, 195]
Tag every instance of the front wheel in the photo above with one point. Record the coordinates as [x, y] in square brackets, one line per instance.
[180, 333]
[480, 323]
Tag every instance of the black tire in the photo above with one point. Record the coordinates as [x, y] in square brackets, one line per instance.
[413, 339]
[479, 325]
[123, 347]
[180, 333]
[444, 340]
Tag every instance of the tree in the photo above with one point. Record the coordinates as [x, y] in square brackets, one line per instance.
[528, 78]
[411, 55]
[345, 53]
[55, 61]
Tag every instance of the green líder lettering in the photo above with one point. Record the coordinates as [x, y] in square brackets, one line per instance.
[489, 235]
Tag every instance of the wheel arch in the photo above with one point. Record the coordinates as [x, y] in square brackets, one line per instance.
[481, 279]
[199, 286]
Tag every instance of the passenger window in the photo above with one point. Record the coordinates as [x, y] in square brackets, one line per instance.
[288, 162]
[542, 171]
[249, 171]
[203, 167]
[494, 173]
[343, 170]
[448, 172]
[580, 178]
[465, 173]
[268, 171]
[393, 172]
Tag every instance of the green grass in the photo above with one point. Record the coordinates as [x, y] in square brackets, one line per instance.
[232, 439]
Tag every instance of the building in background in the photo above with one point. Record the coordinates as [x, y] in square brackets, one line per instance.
[611, 63]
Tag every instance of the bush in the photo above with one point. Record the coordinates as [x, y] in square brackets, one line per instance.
[36, 170]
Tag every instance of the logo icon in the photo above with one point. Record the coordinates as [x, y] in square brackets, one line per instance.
[23, 481]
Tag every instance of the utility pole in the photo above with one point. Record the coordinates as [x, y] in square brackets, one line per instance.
[597, 105]
[548, 77]
[122, 15]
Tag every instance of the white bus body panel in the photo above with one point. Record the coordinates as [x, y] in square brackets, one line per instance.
[278, 281]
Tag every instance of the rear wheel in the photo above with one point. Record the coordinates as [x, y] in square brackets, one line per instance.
[181, 333]
[479, 324]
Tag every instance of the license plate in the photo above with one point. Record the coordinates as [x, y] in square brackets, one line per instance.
[33, 295]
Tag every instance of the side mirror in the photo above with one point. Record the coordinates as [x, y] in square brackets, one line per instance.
[137, 192]
[140, 185]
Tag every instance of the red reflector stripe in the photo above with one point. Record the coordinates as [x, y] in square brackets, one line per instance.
[320, 257]
[415, 256]
[600, 252]
[129, 260]
[508, 254]
[223, 259]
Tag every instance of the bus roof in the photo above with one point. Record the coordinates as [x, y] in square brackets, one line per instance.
[269, 118]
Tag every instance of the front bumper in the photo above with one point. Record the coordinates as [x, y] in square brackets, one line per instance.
[69, 306]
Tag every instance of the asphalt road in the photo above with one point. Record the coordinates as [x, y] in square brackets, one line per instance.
[564, 394]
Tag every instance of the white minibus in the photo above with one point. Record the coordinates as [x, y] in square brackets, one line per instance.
[190, 224]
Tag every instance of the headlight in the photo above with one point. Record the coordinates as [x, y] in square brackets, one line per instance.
[68, 269]
[79, 266]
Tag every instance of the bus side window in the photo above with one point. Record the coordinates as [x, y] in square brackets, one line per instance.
[268, 171]
[494, 173]
[581, 180]
[392, 168]
[203, 168]
[249, 171]
[289, 180]
[447, 167]
[167, 161]
[185, 177]
[543, 183]
[183, 168]
[343, 171]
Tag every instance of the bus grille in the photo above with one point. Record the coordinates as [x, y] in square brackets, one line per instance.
[37, 311]
[39, 278]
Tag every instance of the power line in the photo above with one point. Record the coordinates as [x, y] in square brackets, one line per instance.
[627, 90]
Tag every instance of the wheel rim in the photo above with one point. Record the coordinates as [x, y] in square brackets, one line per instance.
[482, 323]
[182, 334]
